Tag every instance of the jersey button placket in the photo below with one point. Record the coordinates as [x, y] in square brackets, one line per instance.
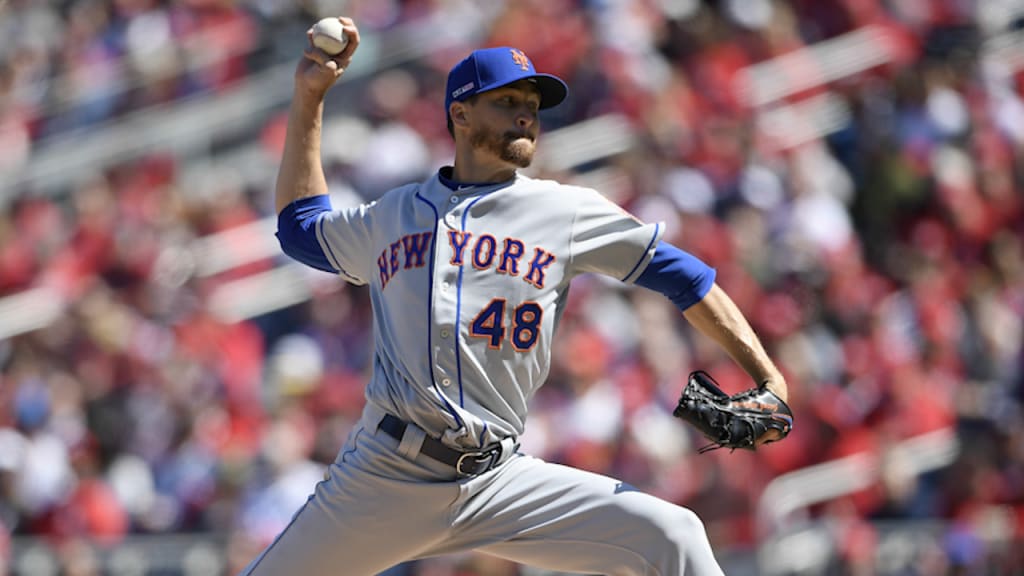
[451, 217]
[446, 361]
[445, 312]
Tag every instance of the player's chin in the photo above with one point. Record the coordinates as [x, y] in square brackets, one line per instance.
[519, 152]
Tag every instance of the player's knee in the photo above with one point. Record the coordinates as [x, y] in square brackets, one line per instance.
[686, 526]
[683, 534]
[686, 546]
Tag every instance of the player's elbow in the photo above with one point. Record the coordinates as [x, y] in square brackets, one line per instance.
[296, 232]
[305, 253]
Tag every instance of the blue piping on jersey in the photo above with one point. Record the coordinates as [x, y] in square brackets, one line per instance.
[330, 251]
[657, 226]
[430, 308]
[355, 445]
[458, 307]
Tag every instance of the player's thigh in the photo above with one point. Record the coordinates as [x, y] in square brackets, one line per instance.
[563, 518]
[356, 524]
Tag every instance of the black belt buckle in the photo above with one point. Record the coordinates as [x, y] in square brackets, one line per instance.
[474, 463]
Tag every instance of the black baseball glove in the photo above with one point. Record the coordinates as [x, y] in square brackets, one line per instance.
[736, 421]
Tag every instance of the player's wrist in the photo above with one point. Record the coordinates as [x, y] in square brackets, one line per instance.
[773, 381]
[777, 387]
[307, 106]
[311, 96]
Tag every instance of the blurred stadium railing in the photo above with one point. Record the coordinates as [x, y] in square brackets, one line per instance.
[164, 555]
[788, 495]
[785, 525]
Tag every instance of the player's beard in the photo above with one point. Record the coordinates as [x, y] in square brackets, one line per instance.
[512, 147]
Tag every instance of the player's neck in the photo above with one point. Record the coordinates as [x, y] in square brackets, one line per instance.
[471, 166]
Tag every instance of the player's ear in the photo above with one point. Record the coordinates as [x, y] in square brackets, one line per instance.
[458, 114]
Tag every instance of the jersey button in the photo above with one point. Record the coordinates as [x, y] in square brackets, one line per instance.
[446, 382]
[454, 199]
[444, 333]
[445, 286]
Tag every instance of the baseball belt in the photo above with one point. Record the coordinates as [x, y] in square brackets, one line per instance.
[466, 464]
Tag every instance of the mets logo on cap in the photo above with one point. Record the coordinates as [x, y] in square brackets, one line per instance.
[519, 58]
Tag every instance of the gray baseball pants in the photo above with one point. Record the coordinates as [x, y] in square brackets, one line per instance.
[381, 504]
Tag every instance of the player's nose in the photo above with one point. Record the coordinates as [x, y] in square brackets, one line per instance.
[526, 118]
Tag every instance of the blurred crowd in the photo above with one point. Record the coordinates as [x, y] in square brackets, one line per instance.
[880, 259]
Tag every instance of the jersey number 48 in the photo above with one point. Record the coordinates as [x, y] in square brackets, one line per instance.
[525, 320]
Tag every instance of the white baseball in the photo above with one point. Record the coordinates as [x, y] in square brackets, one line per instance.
[329, 36]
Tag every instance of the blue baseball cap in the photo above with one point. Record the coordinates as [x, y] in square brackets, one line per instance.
[492, 68]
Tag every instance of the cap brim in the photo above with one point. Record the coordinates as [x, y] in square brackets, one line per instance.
[552, 89]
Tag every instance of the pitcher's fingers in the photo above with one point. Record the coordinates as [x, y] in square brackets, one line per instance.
[769, 436]
[352, 35]
[317, 55]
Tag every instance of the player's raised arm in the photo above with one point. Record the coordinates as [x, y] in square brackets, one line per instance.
[301, 173]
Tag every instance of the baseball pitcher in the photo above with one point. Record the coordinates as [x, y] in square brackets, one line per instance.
[468, 273]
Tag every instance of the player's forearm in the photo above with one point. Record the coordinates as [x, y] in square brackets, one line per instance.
[718, 317]
[301, 173]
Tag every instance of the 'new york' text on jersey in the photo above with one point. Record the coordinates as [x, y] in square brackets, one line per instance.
[463, 280]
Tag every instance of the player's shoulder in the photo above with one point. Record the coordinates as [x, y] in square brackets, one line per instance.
[398, 195]
[403, 191]
[572, 192]
[565, 198]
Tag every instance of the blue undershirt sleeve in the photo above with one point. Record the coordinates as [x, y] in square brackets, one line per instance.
[681, 277]
[296, 231]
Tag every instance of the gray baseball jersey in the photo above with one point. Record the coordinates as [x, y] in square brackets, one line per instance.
[467, 289]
